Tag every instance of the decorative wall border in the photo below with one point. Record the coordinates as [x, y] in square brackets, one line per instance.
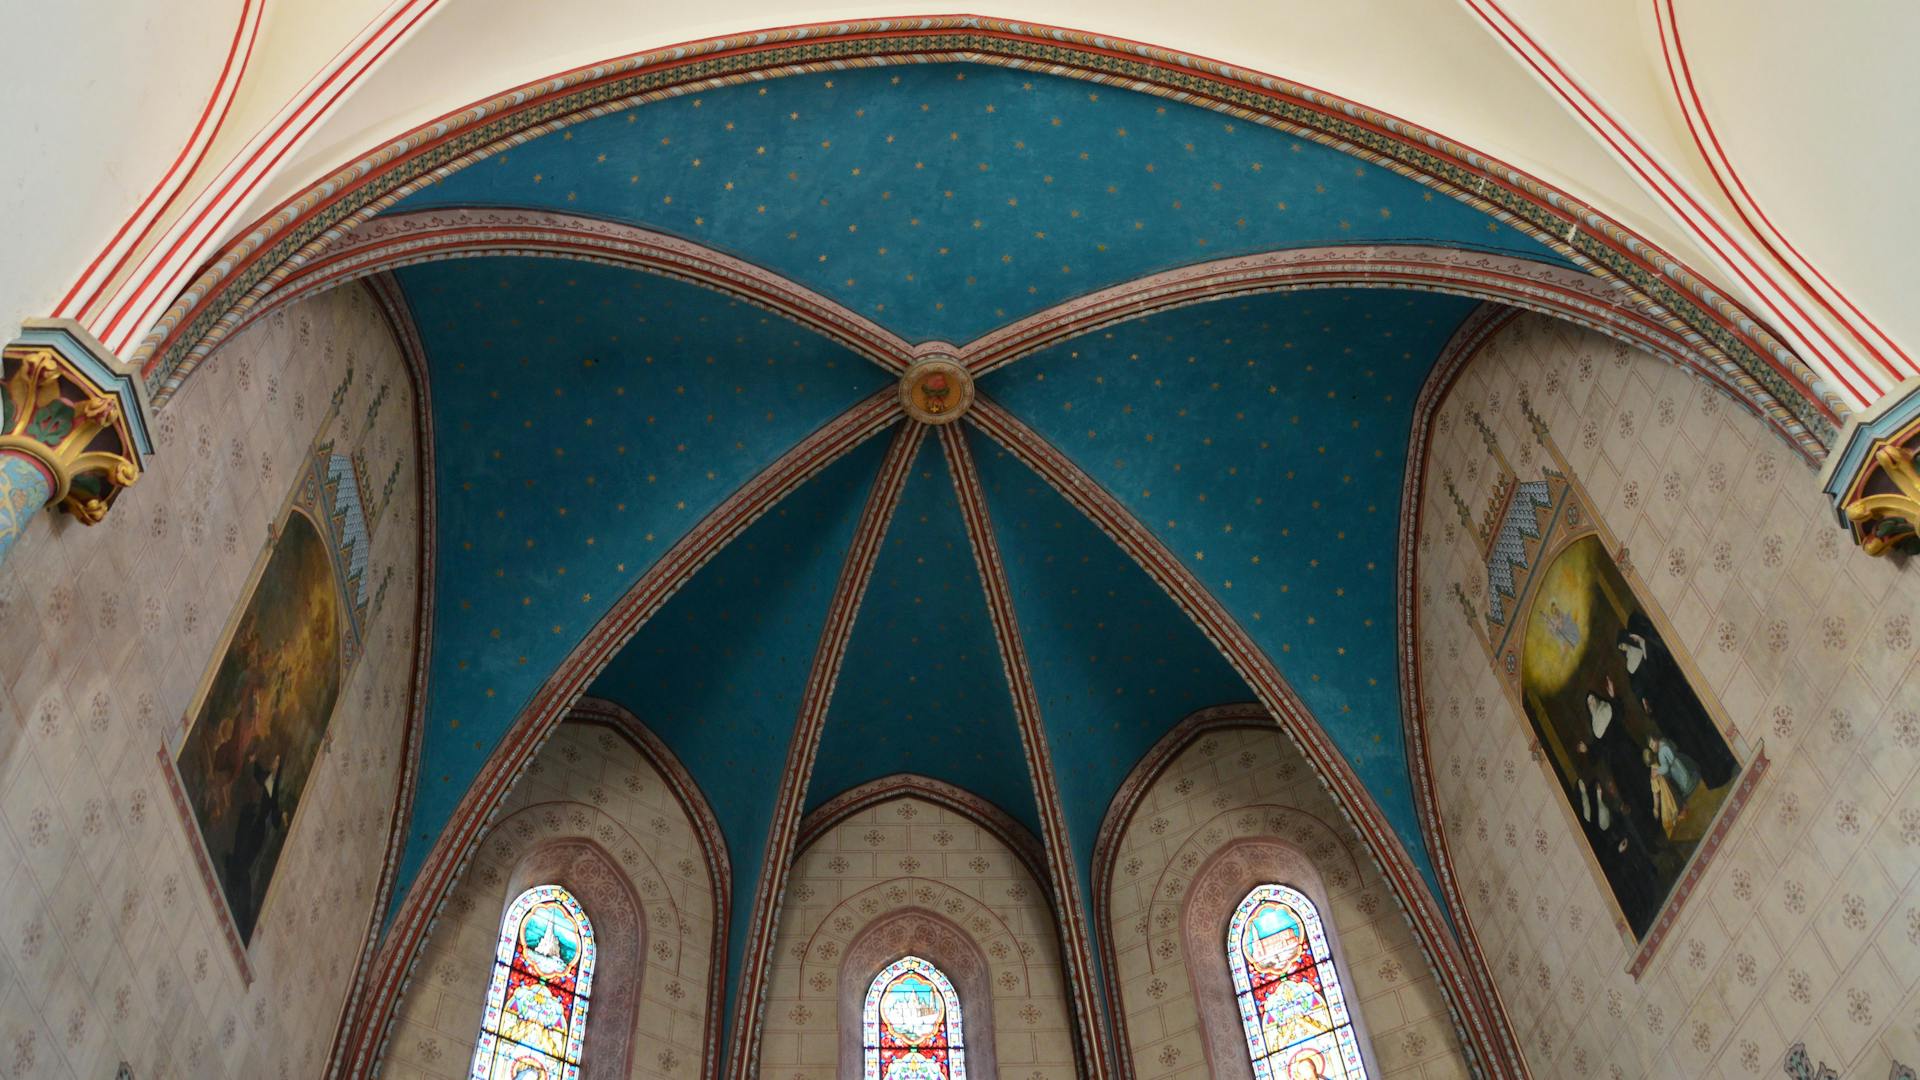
[803, 748]
[302, 228]
[365, 1026]
[1481, 325]
[392, 304]
[1482, 1024]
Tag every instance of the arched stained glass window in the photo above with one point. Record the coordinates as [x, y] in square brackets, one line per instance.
[1291, 1004]
[536, 1017]
[911, 1024]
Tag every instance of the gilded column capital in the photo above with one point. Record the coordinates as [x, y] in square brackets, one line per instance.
[1871, 476]
[74, 413]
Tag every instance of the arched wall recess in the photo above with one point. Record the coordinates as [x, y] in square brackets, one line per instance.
[1220, 805]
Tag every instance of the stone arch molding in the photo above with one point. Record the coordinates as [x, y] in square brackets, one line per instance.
[949, 946]
[1222, 882]
[305, 226]
[584, 868]
[654, 949]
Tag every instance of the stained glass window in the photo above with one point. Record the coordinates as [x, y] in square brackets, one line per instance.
[911, 1025]
[536, 1014]
[1291, 1004]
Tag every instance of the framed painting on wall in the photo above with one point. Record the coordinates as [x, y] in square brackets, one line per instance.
[257, 729]
[1648, 774]
[251, 744]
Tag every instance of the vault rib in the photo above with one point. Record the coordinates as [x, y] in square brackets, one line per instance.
[366, 1031]
[1485, 1032]
[1063, 878]
[784, 831]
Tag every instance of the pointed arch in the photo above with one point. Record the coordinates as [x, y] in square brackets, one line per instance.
[537, 1003]
[1292, 1006]
[1171, 865]
[912, 1024]
[303, 227]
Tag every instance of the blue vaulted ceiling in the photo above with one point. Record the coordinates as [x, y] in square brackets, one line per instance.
[1115, 663]
[922, 689]
[587, 417]
[1264, 441]
[945, 200]
[718, 673]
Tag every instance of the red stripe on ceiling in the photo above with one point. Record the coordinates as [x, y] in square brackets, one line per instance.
[160, 272]
[1694, 109]
[125, 240]
[1699, 222]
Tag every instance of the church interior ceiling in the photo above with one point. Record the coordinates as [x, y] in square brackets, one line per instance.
[588, 417]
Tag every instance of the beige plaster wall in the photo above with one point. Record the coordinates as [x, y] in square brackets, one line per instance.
[110, 943]
[592, 784]
[1226, 788]
[908, 853]
[1806, 925]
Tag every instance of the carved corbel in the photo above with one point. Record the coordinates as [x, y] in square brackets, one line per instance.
[71, 421]
[1871, 477]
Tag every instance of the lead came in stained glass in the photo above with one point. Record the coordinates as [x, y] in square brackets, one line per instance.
[911, 1028]
[1292, 1007]
[536, 1018]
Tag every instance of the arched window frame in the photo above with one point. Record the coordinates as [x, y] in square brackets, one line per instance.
[950, 1037]
[1339, 1045]
[495, 1051]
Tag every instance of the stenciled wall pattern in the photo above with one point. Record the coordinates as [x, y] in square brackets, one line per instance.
[1805, 925]
[910, 876]
[112, 946]
[588, 788]
[1245, 794]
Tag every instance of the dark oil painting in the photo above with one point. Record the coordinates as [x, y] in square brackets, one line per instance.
[252, 743]
[1639, 758]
